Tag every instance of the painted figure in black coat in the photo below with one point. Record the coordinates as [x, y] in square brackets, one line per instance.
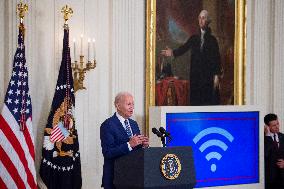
[119, 135]
[205, 66]
[273, 153]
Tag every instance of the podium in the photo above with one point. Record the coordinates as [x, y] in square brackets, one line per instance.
[141, 169]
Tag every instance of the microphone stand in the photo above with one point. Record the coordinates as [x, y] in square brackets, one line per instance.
[163, 139]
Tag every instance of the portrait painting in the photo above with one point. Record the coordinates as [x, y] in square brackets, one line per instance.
[184, 68]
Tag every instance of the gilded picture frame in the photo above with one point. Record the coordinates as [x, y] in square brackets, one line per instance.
[239, 53]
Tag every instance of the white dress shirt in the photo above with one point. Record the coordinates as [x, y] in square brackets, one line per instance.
[121, 119]
[272, 136]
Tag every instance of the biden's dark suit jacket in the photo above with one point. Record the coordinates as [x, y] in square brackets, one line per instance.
[114, 145]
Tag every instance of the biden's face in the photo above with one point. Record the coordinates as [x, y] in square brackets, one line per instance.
[125, 106]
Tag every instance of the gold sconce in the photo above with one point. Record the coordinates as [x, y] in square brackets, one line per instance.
[79, 71]
[80, 68]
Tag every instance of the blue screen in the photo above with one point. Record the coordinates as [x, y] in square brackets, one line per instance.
[225, 145]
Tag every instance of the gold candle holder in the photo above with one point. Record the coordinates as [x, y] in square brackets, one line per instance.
[79, 71]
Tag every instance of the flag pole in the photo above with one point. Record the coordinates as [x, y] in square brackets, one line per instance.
[22, 9]
[67, 12]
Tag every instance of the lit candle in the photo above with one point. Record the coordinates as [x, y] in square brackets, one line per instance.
[94, 49]
[89, 50]
[81, 45]
[74, 48]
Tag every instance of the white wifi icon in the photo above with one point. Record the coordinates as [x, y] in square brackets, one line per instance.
[213, 142]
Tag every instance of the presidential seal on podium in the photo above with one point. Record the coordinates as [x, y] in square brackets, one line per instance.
[170, 166]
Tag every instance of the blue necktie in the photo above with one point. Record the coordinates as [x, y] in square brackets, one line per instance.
[127, 128]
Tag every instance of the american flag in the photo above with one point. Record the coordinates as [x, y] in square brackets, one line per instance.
[60, 164]
[17, 153]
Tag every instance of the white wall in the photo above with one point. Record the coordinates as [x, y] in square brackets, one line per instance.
[277, 54]
[2, 30]
[118, 27]
[264, 67]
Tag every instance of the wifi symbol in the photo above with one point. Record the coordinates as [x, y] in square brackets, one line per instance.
[213, 142]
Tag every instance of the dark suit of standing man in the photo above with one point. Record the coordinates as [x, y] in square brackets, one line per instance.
[274, 153]
[205, 65]
[116, 139]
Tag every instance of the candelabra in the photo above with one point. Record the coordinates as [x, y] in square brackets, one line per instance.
[79, 71]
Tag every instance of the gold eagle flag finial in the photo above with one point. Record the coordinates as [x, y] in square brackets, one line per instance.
[21, 10]
[67, 12]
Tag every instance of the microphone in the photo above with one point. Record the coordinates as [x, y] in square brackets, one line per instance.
[164, 132]
[156, 132]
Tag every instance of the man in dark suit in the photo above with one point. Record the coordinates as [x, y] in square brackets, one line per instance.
[119, 135]
[205, 65]
[274, 153]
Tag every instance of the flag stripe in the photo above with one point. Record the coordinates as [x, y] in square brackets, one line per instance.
[57, 139]
[16, 139]
[14, 129]
[8, 149]
[16, 145]
[11, 169]
[56, 134]
[28, 138]
[6, 180]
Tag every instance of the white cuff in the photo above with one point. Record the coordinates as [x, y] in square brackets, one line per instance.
[129, 147]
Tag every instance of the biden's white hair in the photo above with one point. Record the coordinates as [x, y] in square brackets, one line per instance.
[120, 95]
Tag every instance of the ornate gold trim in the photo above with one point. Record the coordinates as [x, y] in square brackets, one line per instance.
[239, 55]
[150, 59]
[240, 52]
